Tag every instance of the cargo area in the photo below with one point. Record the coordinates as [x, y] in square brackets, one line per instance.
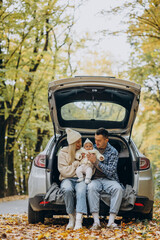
[125, 162]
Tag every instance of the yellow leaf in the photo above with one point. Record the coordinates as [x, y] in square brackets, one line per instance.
[47, 234]
[41, 236]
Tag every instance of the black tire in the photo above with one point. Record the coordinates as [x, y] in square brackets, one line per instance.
[34, 216]
[147, 216]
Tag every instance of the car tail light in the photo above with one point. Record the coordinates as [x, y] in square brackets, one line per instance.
[40, 161]
[44, 202]
[139, 204]
[144, 163]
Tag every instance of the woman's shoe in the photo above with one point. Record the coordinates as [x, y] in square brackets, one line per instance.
[71, 222]
[78, 225]
[79, 218]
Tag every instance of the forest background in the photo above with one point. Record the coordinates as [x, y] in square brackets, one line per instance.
[39, 44]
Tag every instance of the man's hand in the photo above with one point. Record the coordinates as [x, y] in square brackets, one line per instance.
[91, 157]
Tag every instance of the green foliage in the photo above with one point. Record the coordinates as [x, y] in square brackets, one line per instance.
[36, 49]
[142, 26]
[146, 131]
[144, 35]
[157, 187]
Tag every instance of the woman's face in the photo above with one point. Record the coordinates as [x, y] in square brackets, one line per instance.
[79, 144]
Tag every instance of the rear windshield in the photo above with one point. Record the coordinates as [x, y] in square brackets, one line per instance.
[97, 110]
[93, 107]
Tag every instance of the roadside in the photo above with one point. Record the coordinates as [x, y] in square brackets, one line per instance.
[13, 198]
[14, 205]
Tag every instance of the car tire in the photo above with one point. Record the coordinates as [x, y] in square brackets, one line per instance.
[147, 216]
[34, 216]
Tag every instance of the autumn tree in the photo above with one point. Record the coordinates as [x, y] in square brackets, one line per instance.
[144, 36]
[141, 24]
[36, 47]
[96, 64]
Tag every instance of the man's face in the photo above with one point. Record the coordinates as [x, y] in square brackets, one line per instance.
[101, 142]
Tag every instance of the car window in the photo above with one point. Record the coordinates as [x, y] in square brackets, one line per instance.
[98, 110]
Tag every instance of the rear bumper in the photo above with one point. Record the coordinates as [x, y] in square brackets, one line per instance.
[38, 204]
[142, 206]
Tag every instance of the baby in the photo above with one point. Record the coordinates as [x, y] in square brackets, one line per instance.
[86, 167]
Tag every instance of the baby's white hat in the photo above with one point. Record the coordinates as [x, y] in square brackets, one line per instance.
[87, 141]
[72, 135]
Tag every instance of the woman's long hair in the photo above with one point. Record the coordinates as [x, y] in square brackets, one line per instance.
[71, 152]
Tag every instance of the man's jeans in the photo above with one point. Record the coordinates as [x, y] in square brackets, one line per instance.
[69, 187]
[110, 187]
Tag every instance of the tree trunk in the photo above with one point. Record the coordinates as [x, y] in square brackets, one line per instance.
[2, 127]
[2, 151]
[10, 158]
[20, 185]
[40, 136]
[24, 184]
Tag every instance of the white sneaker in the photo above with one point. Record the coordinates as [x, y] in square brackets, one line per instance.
[96, 226]
[79, 218]
[78, 225]
[70, 225]
[112, 225]
[71, 222]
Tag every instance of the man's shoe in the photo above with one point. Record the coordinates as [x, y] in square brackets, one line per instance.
[95, 226]
[112, 225]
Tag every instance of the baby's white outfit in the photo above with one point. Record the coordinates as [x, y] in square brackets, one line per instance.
[86, 167]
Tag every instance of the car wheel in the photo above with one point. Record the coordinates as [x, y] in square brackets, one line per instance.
[147, 216]
[34, 216]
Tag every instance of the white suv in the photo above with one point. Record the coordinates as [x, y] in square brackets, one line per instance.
[86, 104]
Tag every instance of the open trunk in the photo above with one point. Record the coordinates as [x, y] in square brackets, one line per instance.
[88, 103]
[125, 163]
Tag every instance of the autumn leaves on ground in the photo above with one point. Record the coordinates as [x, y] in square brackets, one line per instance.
[17, 227]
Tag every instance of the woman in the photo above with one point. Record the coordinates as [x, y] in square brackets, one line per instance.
[67, 168]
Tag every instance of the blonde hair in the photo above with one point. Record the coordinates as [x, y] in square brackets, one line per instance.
[71, 152]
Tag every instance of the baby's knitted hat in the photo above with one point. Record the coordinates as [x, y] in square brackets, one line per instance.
[72, 135]
[87, 141]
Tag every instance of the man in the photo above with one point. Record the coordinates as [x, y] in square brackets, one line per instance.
[105, 179]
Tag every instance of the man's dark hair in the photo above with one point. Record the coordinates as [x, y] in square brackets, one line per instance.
[103, 132]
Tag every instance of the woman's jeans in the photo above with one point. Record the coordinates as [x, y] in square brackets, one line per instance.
[70, 186]
[113, 188]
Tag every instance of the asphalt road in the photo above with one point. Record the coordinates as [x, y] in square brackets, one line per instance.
[14, 207]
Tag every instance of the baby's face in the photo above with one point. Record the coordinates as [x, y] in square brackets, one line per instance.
[88, 146]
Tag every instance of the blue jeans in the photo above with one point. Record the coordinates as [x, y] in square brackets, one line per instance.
[69, 187]
[110, 187]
